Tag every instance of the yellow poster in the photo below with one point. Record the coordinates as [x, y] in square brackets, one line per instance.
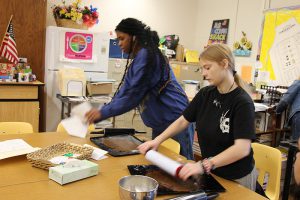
[273, 19]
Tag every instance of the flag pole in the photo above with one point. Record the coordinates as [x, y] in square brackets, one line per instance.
[6, 30]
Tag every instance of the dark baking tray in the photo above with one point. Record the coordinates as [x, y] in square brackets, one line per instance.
[205, 182]
[99, 141]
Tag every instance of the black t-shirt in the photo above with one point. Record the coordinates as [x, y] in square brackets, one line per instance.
[220, 119]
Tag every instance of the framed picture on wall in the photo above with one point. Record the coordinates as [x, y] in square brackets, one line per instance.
[219, 31]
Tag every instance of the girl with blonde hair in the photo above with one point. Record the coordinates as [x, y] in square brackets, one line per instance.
[224, 116]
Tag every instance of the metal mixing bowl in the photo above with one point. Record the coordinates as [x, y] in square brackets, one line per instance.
[137, 187]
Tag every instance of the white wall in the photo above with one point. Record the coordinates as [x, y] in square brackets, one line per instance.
[283, 3]
[209, 10]
[164, 16]
[243, 15]
[190, 19]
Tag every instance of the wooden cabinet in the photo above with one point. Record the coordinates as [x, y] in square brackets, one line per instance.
[20, 102]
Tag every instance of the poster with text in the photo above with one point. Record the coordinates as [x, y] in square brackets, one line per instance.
[279, 44]
[219, 32]
[285, 52]
[78, 46]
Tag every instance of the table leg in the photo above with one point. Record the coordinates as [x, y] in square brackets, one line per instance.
[69, 109]
[288, 172]
[62, 110]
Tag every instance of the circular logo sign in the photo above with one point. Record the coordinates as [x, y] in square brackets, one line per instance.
[89, 39]
[78, 43]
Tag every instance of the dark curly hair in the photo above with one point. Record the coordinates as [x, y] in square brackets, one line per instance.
[148, 39]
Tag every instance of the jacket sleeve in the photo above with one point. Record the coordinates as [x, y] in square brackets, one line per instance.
[133, 90]
[288, 97]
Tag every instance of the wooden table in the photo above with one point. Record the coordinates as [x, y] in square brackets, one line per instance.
[18, 180]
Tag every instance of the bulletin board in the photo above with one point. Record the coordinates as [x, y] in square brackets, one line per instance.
[280, 44]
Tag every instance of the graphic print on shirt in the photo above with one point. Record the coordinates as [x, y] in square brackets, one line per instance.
[224, 123]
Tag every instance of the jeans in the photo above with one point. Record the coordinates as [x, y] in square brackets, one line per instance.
[295, 126]
[185, 139]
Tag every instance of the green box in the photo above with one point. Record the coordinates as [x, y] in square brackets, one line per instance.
[63, 174]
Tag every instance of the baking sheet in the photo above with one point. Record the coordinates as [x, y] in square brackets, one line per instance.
[171, 185]
[118, 145]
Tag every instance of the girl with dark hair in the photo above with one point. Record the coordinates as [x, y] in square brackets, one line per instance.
[148, 83]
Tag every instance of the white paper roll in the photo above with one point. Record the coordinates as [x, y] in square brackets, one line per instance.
[163, 162]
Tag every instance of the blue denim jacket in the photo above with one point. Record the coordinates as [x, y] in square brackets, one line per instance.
[157, 112]
[292, 98]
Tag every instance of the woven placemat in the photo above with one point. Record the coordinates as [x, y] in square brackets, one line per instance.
[40, 158]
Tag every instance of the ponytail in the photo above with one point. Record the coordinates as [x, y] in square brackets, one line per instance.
[239, 81]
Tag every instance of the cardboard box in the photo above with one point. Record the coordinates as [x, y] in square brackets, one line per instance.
[187, 71]
[67, 173]
[180, 53]
[95, 88]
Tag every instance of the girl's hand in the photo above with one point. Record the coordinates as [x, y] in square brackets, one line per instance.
[152, 144]
[93, 115]
[191, 169]
[207, 165]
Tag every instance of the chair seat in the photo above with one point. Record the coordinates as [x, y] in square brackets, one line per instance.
[15, 127]
[172, 145]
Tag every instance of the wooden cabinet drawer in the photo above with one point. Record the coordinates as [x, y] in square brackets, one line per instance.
[18, 92]
[27, 111]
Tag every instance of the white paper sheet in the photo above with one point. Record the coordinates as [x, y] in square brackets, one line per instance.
[165, 163]
[81, 109]
[260, 107]
[15, 147]
[76, 124]
[98, 154]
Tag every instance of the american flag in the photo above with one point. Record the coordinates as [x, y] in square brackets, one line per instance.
[8, 47]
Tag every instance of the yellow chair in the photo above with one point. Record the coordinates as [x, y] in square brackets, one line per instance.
[172, 145]
[60, 128]
[268, 160]
[15, 127]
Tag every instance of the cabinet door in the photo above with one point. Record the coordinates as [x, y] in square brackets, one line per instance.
[20, 111]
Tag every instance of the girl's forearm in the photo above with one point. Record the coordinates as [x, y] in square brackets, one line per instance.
[239, 150]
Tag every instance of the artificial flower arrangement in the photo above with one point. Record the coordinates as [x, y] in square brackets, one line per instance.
[87, 16]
